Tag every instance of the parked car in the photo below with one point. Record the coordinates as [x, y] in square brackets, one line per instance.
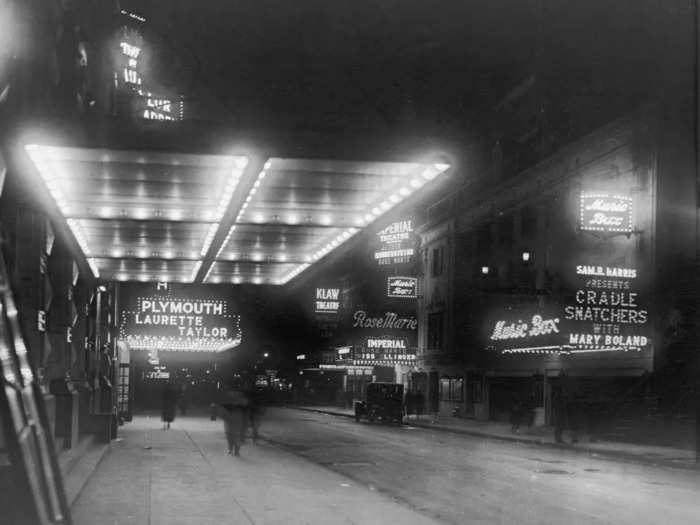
[384, 401]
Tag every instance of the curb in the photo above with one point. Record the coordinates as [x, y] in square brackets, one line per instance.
[621, 455]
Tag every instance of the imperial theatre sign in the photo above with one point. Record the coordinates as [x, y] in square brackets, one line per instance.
[179, 317]
[396, 243]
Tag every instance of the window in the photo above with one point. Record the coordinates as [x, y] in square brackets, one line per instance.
[451, 389]
[528, 220]
[435, 329]
[436, 262]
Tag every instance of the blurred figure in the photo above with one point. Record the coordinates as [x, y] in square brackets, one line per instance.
[168, 398]
[419, 400]
[234, 411]
[182, 399]
[558, 413]
[256, 409]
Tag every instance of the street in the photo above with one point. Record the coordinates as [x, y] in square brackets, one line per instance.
[318, 468]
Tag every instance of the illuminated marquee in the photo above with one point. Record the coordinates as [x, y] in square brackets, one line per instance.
[182, 318]
[605, 314]
[606, 213]
[386, 350]
[327, 300]
[395, 243]
[402, 287]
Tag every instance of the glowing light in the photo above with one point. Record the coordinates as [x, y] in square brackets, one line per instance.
[485, 270]
[395, 198]
[405, 192]
[257, 280]
[416, 183]
[376, 212]
[140, 213]
[175, 215]
[268, 165]
[326, 220]
[106, 212]
[117, 252]
[168, 254]
[385, 205]
[142, 254]
[526, 256]
[292, 219]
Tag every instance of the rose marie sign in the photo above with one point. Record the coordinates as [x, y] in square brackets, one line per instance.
[178, 317]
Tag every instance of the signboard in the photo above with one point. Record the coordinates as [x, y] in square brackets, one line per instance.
[606, 213]
[605, 313]
[129, 78]
[396, 243]
[184, 317]
[386, 350]
[402, 287]
[327, 300]
[158, 372]
[391, 320]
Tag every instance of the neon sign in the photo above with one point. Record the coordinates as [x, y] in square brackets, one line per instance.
[605, 212]
[389, 320]
[394, 243]
[386, 350]
[537, 326]
[327, 300]
[402, 287]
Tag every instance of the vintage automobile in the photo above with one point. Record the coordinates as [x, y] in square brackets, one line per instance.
[384, 401]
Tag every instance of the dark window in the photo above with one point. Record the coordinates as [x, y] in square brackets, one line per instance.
[451, 389]
[505, 230]
[436, 263]
[435, 329]
[528, 218]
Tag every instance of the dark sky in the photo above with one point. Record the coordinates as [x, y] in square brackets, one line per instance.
[394, 63]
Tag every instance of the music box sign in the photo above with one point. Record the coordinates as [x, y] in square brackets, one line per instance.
[396, 243]
[402, 287]
[605, 212]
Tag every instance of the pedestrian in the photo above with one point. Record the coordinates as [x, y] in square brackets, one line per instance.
[234, 405]
[516, 408]
[558, 413]
[168, 398]
[256, 409]
[409, 403]
[182, 399]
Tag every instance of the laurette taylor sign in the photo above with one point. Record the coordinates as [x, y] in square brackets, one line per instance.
[182, 317]
[395, 243]
[606, 213]
[402, 287]
[604, 314]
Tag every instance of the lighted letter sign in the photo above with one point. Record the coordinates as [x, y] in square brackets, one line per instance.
[390, 320]
[186, 317]
[402, 287]
[396, 243]
[606, 311]
[386, 350]
[327, 300]
[605, 212]
[604, 314]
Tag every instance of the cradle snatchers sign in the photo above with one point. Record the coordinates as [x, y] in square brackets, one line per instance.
[178, 317]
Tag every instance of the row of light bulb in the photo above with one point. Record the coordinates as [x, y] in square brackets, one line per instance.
[231, 184]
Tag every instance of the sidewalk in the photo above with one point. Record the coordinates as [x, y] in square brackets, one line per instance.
[183, 476]
[655, 455]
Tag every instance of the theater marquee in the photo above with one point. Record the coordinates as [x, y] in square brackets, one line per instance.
[180, 317]
[605, 313]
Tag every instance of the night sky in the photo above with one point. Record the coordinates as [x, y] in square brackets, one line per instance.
[416, 65]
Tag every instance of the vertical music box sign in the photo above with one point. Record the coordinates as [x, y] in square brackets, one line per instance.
[605, 212]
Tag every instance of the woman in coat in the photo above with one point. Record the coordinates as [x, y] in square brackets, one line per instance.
[234, 404]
